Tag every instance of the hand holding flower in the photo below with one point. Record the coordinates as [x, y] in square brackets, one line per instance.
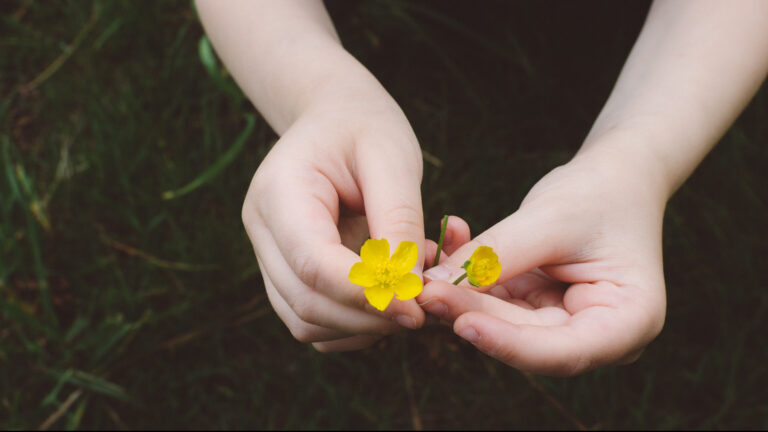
[581, 284]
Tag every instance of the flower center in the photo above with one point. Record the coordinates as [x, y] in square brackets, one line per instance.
[385, 274]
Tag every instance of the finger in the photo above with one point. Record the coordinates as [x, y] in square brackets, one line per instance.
[430, 249]
[595, 336]
[456, 234]
[302, 331]
[347, 344]
[450, 301]
[310, 305]
[523, 241]
[303, 219]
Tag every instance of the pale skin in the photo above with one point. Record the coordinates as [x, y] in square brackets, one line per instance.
[582, 282]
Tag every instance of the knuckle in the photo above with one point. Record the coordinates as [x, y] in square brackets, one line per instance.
[245, 214]
[403, 219]
[578, 364]
[303, 307]
[656, 321]
[302, 333]
[248, 214]
[487, 238]
[632, 357]
[305, 267]
[323, 347]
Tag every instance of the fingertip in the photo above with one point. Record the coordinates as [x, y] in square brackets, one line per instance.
[472, 327]
[469, 334]
[465, 320]
[456, 234]
[469, 327]
[406, 314]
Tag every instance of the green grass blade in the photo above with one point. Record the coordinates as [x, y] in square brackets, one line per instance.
[53, 396]
[443, 226]
[95, 384]
[208, 59]
[73, 422]
[100, 385]
[9, 171]
[217, 166]
[78, 326]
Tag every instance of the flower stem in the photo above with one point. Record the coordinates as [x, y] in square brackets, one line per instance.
[461, 278]
[443, 226]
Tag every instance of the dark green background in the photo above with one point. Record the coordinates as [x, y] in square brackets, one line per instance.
[144, 312]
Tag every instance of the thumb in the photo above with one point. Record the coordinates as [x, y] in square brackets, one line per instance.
[523, 241]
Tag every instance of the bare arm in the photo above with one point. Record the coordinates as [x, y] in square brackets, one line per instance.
[694, 67]
[285, 54]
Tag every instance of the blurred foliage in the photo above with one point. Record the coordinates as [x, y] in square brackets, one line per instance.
[121, 309]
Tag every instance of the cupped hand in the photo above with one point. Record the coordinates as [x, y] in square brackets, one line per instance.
[344, 171]
[582, 282]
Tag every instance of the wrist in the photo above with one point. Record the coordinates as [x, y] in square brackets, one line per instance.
[311, 76]
[347, 90]
[625, 158]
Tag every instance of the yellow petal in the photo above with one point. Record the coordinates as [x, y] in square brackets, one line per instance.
[405, 257]
[375, 251]
[379, 297]
[493, 273]
[409, 287]
[363, 275]
[484, 252]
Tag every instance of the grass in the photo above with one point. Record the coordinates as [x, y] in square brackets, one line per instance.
[122, 307]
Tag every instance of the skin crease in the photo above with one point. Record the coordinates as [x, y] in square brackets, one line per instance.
[582, 281]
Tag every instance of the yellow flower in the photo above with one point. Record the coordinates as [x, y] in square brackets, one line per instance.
[382, 276]
[483, 267]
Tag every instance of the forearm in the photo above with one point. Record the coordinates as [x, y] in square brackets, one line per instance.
[285, 54]
[694, 67]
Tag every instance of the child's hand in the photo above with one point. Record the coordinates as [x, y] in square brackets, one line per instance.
[351, 156]
[582, 282]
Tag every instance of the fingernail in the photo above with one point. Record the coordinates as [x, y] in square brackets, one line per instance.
[469, 334]
[406, 321]
[441, 272]
[436, 308]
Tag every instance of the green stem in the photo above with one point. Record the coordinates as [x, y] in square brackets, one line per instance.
[461, 278]
[443, 226]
